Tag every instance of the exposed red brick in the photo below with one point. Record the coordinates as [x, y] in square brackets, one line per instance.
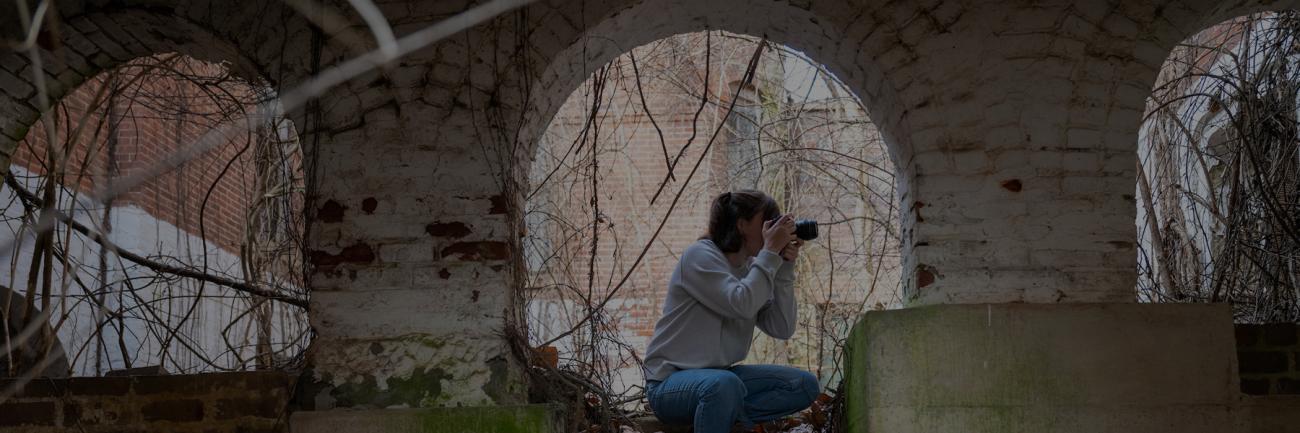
[478, 251]
[1012, 185]
[924, 278]
[498, 205]
[331, 212]
[149, 133]
[447, 230]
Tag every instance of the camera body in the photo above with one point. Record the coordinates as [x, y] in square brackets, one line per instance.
[805, 229]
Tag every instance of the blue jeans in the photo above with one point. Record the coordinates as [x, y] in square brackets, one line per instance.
[713, 399]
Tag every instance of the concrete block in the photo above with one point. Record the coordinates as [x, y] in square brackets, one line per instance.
[1027, 367]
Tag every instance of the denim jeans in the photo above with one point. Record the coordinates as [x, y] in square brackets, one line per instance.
[713, 399]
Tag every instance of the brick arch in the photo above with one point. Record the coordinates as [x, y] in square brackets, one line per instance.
[91, 42]
[1160, 29]
[572, 50]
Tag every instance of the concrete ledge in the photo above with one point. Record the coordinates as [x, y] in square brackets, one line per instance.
[1044, 367]
[1271, 414]
[497, 419]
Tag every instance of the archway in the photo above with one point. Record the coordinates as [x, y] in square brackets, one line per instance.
[127, 91]
[669, 125]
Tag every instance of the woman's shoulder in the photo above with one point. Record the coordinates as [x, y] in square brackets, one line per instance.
[702, 248]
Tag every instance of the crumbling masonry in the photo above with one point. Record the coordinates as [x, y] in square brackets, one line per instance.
[1013, 125]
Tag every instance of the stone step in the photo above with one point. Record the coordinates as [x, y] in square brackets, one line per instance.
[482, 419]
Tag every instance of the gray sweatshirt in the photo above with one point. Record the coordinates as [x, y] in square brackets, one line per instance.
[712, 308]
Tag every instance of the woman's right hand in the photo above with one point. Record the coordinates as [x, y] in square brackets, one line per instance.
[778, 233]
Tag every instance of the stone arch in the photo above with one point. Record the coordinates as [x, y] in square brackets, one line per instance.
[856, 45]
[1193, 111]
[1164, 28]
[88, 41]
[84, 43]
[571, 51]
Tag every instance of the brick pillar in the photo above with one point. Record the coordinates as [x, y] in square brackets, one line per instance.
[412, 240]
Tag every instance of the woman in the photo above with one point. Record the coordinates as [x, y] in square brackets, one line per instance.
[738, 275]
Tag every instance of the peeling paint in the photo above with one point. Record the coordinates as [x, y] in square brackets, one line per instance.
[358, 253]
[447, 230]
[331, 212]
[478, 251]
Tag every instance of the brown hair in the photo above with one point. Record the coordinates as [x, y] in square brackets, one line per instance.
[731, 207]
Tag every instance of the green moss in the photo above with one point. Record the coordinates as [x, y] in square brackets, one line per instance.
[413, 391]
[967, 357]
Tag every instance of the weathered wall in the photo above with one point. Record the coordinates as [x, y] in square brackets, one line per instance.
[216, 402]
[1014, 126]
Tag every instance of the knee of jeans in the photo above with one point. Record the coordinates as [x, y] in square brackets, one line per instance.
[807, 382]
[726, 384]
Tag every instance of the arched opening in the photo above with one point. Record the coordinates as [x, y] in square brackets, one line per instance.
[1217, 188]
[1217, 159]
[196, 268]
[626, 170]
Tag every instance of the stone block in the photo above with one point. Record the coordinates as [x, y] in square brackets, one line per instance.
[185, 410]
[1281, 334]
[1252, 362]
[15, 414]
[1255, 386]
[1034, 368]
[99, 385]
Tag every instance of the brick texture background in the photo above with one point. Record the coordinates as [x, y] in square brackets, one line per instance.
[157, 116]
[971, 96]
[1268, 358]
[229, 402]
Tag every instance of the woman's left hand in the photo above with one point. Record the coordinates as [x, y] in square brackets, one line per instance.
[791, 251]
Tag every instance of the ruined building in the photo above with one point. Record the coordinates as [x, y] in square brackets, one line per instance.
[1013, 129]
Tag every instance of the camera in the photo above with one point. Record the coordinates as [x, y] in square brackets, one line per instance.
[805, 229]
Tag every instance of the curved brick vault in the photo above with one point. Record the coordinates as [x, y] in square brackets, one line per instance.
[1013, 124]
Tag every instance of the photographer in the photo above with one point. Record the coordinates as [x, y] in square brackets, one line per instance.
[737, 276]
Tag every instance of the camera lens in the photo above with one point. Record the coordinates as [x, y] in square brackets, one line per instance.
[805, 229]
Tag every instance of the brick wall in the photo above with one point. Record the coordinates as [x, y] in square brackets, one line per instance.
[153, 116]
[216, 402]
[1268, 357]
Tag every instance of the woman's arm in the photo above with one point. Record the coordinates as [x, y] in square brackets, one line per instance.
[779, 318]
[705, 274]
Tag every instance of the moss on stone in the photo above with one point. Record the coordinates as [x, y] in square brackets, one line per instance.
[413, 391]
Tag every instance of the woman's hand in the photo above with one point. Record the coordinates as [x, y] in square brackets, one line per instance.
[791, 251]
[778, 234]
